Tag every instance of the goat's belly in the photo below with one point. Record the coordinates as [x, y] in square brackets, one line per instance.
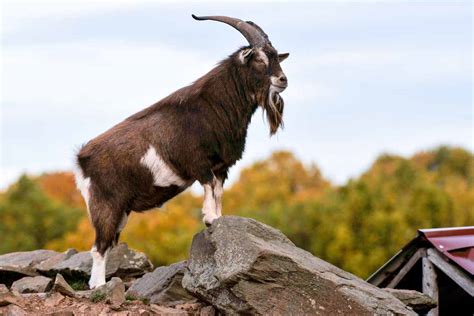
[156, 196]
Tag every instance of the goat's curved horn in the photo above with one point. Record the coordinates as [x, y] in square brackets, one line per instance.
[251, 31]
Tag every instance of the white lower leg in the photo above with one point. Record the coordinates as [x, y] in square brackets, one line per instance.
[98, 268]
[209, 206]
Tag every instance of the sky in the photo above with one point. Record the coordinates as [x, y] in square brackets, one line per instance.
[365, 78]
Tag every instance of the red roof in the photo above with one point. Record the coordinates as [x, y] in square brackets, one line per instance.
[456, 243]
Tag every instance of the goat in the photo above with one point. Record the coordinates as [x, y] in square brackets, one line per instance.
[195, 134]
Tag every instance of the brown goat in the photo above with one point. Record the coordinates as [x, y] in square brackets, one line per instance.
[195, 134]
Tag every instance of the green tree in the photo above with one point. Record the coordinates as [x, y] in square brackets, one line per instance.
[29, 219]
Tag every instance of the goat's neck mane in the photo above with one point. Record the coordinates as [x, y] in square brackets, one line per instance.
[227, 92]
[232, 86]
[234, 94]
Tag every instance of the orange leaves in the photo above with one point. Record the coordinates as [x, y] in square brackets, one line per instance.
[61, 186]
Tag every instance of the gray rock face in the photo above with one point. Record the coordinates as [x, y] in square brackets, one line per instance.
[421, 303]
[38, 284]
[121, 262]
[15, 265]
[162, 286]
[242, 266]
[45, 266]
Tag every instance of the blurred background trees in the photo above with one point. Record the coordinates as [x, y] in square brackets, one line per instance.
[356, 226]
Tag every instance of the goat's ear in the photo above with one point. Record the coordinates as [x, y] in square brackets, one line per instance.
[282, 57]
[245, 55]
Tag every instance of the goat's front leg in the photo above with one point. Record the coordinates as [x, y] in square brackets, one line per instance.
[212, 207]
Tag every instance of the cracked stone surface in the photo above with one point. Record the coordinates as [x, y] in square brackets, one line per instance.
[122, 262]
[241, 266]
[163, 286]
[15, 265]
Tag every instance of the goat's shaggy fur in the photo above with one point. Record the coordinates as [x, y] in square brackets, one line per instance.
[195, 134]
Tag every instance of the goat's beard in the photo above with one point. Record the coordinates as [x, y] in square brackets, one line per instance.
[272, 104]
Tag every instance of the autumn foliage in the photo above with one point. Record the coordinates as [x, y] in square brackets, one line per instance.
[357, 226]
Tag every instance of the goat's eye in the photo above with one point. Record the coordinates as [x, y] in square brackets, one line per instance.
[260, 61]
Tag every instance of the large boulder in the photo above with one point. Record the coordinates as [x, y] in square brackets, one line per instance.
[242, 266]
[122, 262]
[15, 265]
[162, 286]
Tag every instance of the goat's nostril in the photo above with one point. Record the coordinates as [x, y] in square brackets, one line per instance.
[283, 79]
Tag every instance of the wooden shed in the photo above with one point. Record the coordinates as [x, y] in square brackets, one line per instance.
[438, 262]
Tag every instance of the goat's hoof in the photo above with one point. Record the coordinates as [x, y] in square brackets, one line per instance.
[208, 220]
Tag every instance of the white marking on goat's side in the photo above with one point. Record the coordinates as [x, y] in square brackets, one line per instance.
[209, 205]
[83, 185]
[98, 268]
[163, 176]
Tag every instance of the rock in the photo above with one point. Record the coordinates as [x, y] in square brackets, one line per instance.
[207, 311]
[14, 310]
[421, 303]
[163, 310]
[3, 288]
[15, 265]
[61, 286]
[9, 298]
[61, 313]
[78, 266]
[53, 300]
[84, 294]
[162, 286]
[121, 262]
[37, 284]
[45, 266]
[124, 262]
[114, 292]
[241, 266]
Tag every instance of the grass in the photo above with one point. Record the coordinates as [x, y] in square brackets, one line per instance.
[129, 297]
[97, 297]
[79, 285]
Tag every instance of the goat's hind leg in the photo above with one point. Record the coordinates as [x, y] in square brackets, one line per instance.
[108, 222]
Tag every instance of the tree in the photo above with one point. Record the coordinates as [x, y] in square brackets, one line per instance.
[29, 219]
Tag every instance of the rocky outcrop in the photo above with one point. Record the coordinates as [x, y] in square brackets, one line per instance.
[122, 262]
[236, 266]
[162, 286]
[15, 265]
[421, 303]
[241, 266]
